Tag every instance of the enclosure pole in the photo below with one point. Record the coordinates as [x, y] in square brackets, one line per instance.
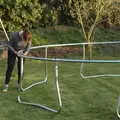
[46, 54]
[57, 85]
[82, 64]
[118, 108]
[4, 30]
[21, 73]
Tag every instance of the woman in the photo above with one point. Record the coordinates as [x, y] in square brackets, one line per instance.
[20, 43]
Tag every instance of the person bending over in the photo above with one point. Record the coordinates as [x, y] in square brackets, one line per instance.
[20, 42]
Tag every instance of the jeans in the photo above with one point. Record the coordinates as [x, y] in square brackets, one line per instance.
[11, 60]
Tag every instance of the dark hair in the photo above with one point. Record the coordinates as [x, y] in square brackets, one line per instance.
[27, 35]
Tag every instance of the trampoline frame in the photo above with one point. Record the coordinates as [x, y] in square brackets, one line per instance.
[83, 56]
[39, 83]
[56, 60]
[68, 60]
[98, 75]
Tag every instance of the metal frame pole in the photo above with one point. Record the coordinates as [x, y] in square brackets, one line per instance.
[21, 73]
[4, 30]
[57, 86]
[118, 108]
[92, 76]
[58, 96]
[82, 64]
[40, 82]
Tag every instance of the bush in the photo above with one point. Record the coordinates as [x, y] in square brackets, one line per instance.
[49, 16]
[16, 13]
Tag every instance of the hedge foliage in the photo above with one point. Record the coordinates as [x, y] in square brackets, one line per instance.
[16, 13]
[43, 13]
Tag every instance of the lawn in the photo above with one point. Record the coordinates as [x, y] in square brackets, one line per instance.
[83, 99]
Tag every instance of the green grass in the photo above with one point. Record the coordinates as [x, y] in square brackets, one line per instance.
[56, 35]
[83, 99]
[65, 34]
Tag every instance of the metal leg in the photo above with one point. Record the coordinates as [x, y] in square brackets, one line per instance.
[57, 86]
[93, 76]
[22, 71]
[82, 64]
[118, 108]
[58, 96]
[34, 84]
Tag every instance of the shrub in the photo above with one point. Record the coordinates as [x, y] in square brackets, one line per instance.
[16, 13]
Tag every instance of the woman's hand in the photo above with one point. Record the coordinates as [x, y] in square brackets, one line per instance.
[20, 52]
[25, 53]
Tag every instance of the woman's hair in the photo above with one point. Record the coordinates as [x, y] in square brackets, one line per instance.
[27, 36]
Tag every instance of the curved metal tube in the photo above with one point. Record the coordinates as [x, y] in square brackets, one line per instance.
[42, 106]
[37, 105]
[34, 84]
[71, 60]
[93, 76]
[74, 44]
[118, 108]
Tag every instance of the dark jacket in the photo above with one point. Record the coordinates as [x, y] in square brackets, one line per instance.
[17, 42]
